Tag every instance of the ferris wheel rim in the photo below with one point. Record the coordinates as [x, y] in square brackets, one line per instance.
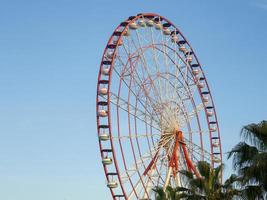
[100, 81]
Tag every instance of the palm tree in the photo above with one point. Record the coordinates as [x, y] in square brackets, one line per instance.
[208, 187]
[250, 160]
[169, 194]
[160, 193]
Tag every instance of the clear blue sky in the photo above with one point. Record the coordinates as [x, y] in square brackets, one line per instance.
[49, 58]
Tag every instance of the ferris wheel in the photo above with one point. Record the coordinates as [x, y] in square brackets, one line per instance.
[155, 112]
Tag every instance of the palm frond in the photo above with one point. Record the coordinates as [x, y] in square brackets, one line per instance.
[243, 154]
[204, 169]
[233, 179]
[160, 193]
[256, 134]
[252, 192]
[189, 175]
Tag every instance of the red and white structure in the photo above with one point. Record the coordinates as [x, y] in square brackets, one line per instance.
[155, 112]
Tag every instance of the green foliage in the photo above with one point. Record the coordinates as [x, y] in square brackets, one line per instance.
[208, 187]
[169, 194]
[160, 193]
[250, 160]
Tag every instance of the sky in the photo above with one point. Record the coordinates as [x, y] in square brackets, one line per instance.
[50, 53]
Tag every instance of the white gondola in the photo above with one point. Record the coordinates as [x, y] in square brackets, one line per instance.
[213, 128]
[166, 31]
[216, 144]
[206, 99]
[103, 91]
[149, 22]
[209, 113]
[110, 54]
[158, 26]
[104, 137]
[107, 161]
[133, 26]
[112, 184]
[102, 113]
[201, 84]
[216, 160]
[142, 23]
[105, 71]
[189, 59]
[195, 72]
[174, 38]
[182, 48]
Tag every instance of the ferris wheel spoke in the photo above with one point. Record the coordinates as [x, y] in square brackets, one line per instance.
[184, 84]
[181, 107]
[189, 81]
[126, 48]
[146, 68]
[164, 159]
[189, 93]
[125, 137]
[136, 187]
[136, 166]
[184, 67]
[166, 121]
[155, 60]
[153, 103]
[154, 163]
[140, 162]
[181, 67]
[197, 149]
[165, 140]
[138, 96]
[179, 89]
[175, 102]
[189, 116]
[120, 67]
[138, 82]
[167, 64]
[132, 110]
[149, 183]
